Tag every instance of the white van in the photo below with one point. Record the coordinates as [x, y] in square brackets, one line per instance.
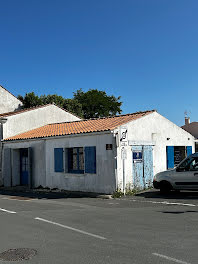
[183, 177]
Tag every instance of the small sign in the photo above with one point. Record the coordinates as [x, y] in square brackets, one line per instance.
[137, 156]
[108, 146]
[123, 143]
[124, 154]
[123, 134]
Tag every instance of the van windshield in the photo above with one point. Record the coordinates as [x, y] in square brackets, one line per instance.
[190, 163]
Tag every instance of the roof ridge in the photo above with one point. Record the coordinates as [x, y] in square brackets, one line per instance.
[10, 93]
[34, 108]
[78, 127]
[105, 117]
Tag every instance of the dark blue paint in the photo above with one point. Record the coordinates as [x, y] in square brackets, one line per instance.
[58, 160]
[189, 150]
[24, 166]
[90, 159]
[170, 157]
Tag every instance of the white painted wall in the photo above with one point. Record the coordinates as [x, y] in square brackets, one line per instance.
[38, 160]
[43, 163]
[8, 102]
[28, 120]
[104, 179]
[153, 128]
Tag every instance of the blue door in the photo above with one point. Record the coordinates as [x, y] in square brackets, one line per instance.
[142, 166]
[148, 166]
[138, 181]
[24, 166]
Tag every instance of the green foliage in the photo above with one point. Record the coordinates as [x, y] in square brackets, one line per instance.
[97, 103]
[90, 104]
[32, 100]
[117, 194]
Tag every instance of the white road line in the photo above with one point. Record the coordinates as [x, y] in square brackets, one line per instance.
[7, 211]
[172, 203]
[70, 228]
[163, 202]
[171, 259]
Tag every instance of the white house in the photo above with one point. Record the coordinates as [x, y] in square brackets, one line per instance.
[96, 155]
[8, 102]
[14, 120]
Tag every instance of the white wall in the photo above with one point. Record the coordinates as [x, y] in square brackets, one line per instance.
[8, 102]
[28, 120]
[43, 163]
[153, 128]
[104, 179]
[38, 160]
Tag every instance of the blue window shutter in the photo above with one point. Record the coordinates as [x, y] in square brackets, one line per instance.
[90, 159]
[58, 160]
[170, 157]
[189, 150]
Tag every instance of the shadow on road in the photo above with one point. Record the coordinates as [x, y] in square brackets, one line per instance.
[182, 195]
[26, 195]
[178, 212]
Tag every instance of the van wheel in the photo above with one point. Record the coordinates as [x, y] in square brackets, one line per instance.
[165, 187]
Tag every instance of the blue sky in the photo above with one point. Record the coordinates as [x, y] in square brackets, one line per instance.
[144, 50]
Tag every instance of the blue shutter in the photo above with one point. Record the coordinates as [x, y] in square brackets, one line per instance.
[189, 150]
[58, 160]
[170, 157]
[90, 159]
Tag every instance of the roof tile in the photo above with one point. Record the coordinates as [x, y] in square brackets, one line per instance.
[81, 126]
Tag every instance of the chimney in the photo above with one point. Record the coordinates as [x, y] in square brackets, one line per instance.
[187, 120]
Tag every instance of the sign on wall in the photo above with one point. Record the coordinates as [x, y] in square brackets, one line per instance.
[137, 156]
[124, 153]
[123, 136]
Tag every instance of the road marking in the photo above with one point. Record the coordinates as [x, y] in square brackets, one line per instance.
[163, 202]
[70, 228]
[171, 259]
[172, 203]
[17, 199]
[7, 211]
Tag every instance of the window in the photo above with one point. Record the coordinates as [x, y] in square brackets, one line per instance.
[81, 160]
[75, 160]
[190, 164]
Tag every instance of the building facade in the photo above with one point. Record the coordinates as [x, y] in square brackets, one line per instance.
[8, 102]
[98, 155]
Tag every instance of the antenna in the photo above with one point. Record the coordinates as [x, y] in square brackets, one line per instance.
[187, 113]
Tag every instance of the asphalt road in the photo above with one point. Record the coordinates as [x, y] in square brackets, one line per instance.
[148, 228]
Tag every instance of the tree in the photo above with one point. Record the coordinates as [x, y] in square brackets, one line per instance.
[97, 103]
[32, 100]
[90, 104]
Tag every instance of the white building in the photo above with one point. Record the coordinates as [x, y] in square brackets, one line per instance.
[96, 155]
[8, 102]
[14, 120]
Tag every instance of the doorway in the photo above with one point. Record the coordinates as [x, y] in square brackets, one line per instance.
[24, 167]
[142, 157]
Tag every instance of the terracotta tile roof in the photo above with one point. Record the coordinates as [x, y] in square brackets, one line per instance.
[31, 109]
[78, 127]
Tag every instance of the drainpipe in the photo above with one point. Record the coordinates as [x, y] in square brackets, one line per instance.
[2, 121]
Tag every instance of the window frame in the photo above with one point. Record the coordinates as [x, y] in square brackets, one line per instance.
[75, 171]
